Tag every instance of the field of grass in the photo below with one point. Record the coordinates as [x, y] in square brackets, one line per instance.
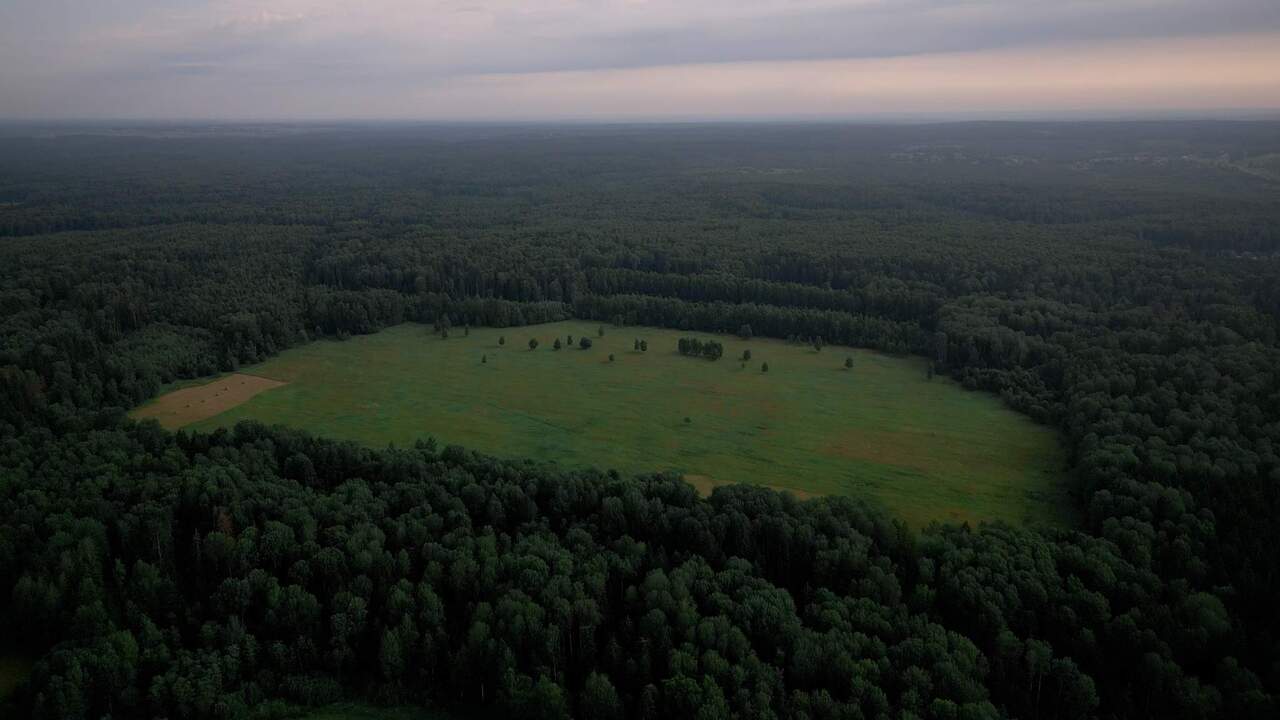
[927, 449]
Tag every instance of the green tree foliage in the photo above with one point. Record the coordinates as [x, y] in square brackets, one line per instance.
[600, 700]
[1126, 296]
[441, 576]
[694, 347]
[533, 343]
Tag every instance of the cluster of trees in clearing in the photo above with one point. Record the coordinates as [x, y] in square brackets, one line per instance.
[709, 349]
[217, 575]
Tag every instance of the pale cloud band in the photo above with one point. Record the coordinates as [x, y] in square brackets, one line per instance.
[632, 59]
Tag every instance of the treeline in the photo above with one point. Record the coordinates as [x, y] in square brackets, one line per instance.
[894, 300]
[770, 321]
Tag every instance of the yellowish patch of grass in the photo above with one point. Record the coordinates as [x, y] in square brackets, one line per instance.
[192, 404]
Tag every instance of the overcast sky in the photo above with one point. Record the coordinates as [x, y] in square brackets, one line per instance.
[633, 59]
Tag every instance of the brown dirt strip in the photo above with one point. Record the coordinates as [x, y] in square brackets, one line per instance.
[193, 404]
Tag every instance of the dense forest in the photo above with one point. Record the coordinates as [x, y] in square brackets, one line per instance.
[1119, 282]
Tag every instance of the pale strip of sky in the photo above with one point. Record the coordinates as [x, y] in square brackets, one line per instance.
[546, 59]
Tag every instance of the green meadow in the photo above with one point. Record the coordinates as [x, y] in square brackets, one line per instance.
[925, 448]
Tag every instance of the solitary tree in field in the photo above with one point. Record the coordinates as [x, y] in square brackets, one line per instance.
[466, 331]
[848, 363]
[533, 343]
[502, 340]
[644, 346]
[601, 331]
[746, 356]
[817, 344]
[584, 343]
[557, 345]
[610, 357]
[764, 367]
[570, 339]
[637, 345]
[484, 359]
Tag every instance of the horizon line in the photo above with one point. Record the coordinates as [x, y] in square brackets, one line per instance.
[895, 118]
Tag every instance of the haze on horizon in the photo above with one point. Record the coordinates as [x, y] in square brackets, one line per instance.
[633, 59]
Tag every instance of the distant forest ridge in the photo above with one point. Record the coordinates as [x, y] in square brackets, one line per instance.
[1208, 185]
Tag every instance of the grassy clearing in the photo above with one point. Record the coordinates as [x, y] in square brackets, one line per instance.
[926, 449]
[184, 406]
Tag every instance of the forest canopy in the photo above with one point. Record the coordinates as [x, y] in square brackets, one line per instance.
[1118, 282]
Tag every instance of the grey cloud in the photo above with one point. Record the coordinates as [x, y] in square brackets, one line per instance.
[193, 68]
[396, 49]
[891, 30]
[519, 43]
[878, 30]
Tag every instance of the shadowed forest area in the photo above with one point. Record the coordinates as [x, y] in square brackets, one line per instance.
[1118, 283]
